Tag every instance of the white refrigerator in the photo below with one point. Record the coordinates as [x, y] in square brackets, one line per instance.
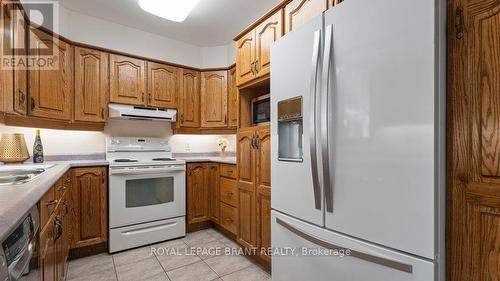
[358, 144]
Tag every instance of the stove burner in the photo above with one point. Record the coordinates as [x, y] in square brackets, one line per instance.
[125, 160]
[163, 159]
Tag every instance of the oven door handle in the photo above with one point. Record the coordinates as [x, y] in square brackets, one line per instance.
[144, 171]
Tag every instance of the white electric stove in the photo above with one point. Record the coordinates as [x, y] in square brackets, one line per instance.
[147, 192]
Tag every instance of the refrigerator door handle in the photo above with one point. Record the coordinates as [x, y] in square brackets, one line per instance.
[313, 119]
[325, 114]
[359, 255]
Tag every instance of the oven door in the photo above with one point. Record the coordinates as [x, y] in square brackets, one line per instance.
[138, 195]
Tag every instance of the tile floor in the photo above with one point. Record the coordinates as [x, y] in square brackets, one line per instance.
[175, 260]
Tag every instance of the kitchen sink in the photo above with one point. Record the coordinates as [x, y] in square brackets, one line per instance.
[21, 173]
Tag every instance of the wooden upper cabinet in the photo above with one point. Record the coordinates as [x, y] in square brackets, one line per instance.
[197, 193]
[91, 85]
[268, 32]
[127, 80]
[245, 58]
[89, 203]
[51, 90]
[20, 73]
[214, 99]
[233, 104]
[299, 12]
[189, 99]
[162, 85]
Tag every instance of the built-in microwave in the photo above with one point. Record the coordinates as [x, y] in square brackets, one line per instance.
[261, 110]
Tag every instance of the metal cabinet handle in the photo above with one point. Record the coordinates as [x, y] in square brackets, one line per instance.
[33, 103]
[313, 119]
[257, 67]
[228, 220]
[22, 97]
[102, 113]
[143, 97]
[360, 255]
[59, 228]
[230, 194]
[51, 203]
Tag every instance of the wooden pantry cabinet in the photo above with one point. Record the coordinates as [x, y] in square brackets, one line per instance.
[127, 80]
[253, 49]
[298, 12]
[51, 90]
[89, 206]
[91, 85]
[189, 99]
[214, 99]
[254, 187]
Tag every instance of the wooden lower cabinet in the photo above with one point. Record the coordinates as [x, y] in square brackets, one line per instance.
[56, 229]
[214, 195]
[89, 206]
[197, 193]
[247, 231]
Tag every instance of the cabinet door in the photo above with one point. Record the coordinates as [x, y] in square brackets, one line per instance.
[89, 206]
[264, 188]
[20, 73]
[197, 193]
[162, 85]
[127, 80]
[47, 252]
[214, 191]
[245, 58]
[233, 103]
[268, 32]
[189, 99]
[299, 12]
[246, 187]
[214, 99]
[91, 85]
[51, 91]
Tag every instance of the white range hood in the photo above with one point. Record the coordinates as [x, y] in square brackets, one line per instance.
[120, 111]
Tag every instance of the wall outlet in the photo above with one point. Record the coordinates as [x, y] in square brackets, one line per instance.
[187, 148]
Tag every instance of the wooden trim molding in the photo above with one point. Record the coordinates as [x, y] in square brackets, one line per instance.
[202, 131]
[29, 121]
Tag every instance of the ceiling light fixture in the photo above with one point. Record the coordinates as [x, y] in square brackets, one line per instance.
[174, 10]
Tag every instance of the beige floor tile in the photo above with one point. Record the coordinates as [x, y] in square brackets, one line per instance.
[182, 256]
[145, 269]
[224, 265]
[230, 243]
[199, 237]
[98, 265]
[194, 272]
[215, 233]
[132, 256]
[210, 249]
[252, 273]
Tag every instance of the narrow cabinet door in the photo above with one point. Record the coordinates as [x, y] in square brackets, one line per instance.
[233, 104]
[266, 34]
[51, 94]
[91, 85]
[127, 80]
[162, 85]
[214, 195]
[89, 206]
[197, 193]
[189, 99]
[245, 58]
[246, 187]
[214, 99]
[20, 73]
[263, 159]
[47, 252]
[299, 12]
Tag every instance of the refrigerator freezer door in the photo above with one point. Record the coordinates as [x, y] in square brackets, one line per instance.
[293, 69]
[382, 99]
[311, 260]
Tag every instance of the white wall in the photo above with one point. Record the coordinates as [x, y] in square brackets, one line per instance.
[59, 142]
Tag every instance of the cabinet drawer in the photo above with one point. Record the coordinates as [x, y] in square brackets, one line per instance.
[229, 217]
[228, 171]
[228, 192]
[48, 204]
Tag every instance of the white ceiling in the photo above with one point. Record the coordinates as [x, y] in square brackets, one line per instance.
[211, 23]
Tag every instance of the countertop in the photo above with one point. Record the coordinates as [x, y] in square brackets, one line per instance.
[17, 200]
[225, 160]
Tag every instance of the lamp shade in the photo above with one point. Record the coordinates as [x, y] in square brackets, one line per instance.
[13, 148]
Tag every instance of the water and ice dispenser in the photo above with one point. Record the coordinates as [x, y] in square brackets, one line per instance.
[290, 130]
